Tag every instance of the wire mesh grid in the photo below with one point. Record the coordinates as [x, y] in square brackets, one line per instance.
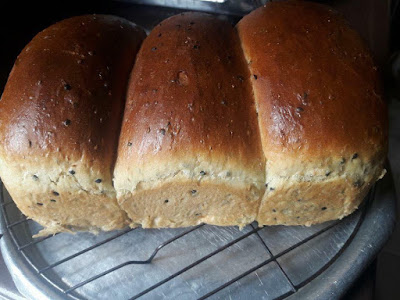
[274, 267]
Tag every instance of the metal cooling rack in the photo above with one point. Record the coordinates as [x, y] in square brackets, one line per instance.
[274, 262]
[201, 262]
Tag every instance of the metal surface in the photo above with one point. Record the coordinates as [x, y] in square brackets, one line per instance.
[230, 7]
[8, 290]
[317, 262]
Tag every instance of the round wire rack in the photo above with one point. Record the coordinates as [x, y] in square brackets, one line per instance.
[276, 262]
[201, 262]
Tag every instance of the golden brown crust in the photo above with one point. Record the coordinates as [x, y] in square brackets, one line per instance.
[61, 112]
[70, 89]
[190, 111]
[314, 81]
[204, 136]
[322, 117]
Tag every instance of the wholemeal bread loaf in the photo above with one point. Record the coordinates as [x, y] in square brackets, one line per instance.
[189, 150]
[322, 117]
[61, 114]
[279, 119]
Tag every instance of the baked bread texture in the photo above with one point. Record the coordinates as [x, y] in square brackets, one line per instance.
[280, 119]
[61, 114]
[189, 150]
[322, 117]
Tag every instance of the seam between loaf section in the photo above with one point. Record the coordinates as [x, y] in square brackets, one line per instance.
[112, 167]
[248, 62]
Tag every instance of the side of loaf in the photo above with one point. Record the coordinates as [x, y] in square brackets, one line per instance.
[189, 150]
[60, 119]
[321, 112]
[280, 119]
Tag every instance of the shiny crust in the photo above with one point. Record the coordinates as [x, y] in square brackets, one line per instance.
[61, 113]
[190, 120]
[281, 121]
[321, 114]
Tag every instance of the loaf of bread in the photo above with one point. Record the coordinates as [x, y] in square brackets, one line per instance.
[190, 149]
[279, 119]
[323, 121]
[61, 114]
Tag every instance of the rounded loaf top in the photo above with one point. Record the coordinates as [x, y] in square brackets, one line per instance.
[60, 117]
[190, 99]
[315, 83]
[65, 92]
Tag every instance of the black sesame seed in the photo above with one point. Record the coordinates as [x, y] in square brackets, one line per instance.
[52, 200]
[240, 77]
[297, 217]
[274, 210]
[129, 144]
[166, 201]
[98, 180]
[191, 23]
[299, 109]
[272, 189]
[38, 203]
[355, 155]
[67, 122]
[30, 144]
[67, 87]
[323, 208]
[358, 184]
[197, 214]
[159, 34]
[342, 161]
[55, 193]
[193, 192]
[196, 47]
[202, 173]
[35, 177]
[266, 185]
[162, 131]
[328, 173]
[305, 95]
[72, 172]
[154, 49]
[255, 76]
